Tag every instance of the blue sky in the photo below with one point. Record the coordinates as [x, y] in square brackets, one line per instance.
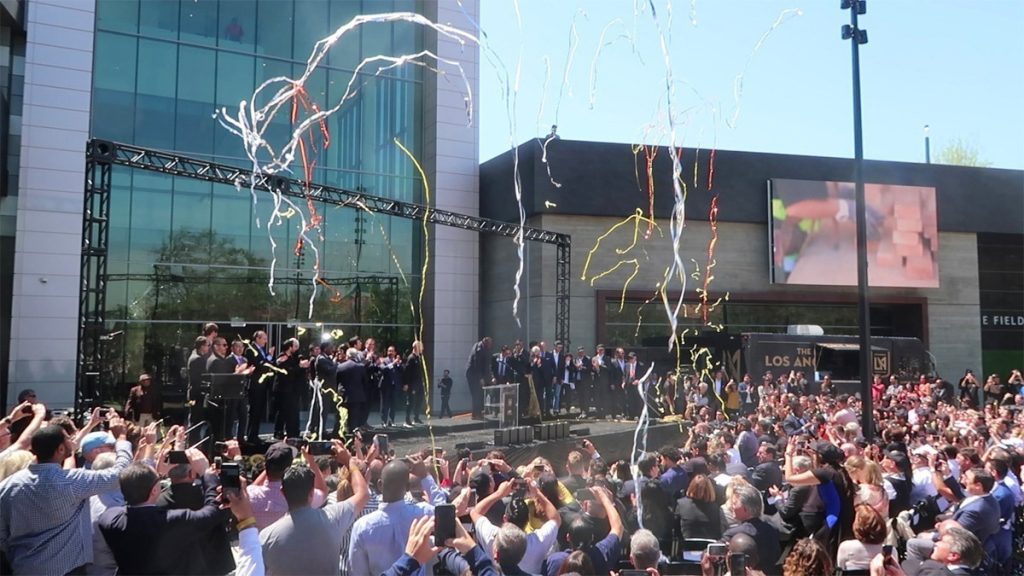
[957, 66]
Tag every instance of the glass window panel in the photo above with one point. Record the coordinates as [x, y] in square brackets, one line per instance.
[234, 84]
[120, 215]
[311, 21]
[402, 232]
[117, 298]
[274, 28]
[238, 24]
[345, 54]
[199, 21]
[376, 39]
[151, 215]
[190, 220]
[114, 87]
[232, 216]
[157, 70]
[345, 126]
[155, 102]
[194, 119]
[120, 15]
[159, 18]
[115, 62]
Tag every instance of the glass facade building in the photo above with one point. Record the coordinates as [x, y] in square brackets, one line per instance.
[182, 251]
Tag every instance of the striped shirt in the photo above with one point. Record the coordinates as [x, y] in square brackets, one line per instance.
[45, 526]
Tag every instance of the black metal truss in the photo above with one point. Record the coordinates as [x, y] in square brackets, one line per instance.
[102, 154]
[92, 293]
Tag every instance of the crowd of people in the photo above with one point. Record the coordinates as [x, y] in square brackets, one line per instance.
[793, 486]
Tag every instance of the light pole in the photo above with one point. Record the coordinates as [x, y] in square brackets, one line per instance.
[858, 36]
[927, 145]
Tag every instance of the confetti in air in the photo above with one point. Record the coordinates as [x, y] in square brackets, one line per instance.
[283, 95]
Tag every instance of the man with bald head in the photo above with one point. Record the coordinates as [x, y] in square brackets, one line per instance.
[379, 538]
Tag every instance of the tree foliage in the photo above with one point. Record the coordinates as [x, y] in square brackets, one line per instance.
[960, 152]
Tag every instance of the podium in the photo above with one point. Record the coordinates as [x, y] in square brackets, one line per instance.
[507, 404]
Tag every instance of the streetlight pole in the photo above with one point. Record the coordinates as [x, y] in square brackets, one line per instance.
[853, 32]
[927, 145]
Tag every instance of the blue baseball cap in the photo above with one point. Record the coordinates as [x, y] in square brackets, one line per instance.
[94, 440]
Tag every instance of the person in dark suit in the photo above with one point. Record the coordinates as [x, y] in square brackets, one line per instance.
[478, 374]
[794, 424]
[288, 389]
[325, 372]
[353, 380]
[601, 375]
[501, 367]
[390, 370]
[262, 378]
[221, 363]
[616, 383]
[699, 514]
[519, 360]
[546, 385]
[583, 378]
[196, 372]
[185, 493]
[146, 539]
[412, 385]
[558, 376]
[632, 388]
[767, 473]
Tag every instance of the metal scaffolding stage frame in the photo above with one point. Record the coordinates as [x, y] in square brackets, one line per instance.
[103, 155]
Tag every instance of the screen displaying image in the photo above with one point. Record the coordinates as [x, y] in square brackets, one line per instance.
[814, 240]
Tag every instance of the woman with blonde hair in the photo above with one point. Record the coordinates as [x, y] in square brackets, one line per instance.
[16, 462]
[870, 484]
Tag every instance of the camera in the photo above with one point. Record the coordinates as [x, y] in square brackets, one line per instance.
[717, 550]
[230, 476]
[320, 448]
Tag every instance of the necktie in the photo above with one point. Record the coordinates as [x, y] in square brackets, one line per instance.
[501, 368]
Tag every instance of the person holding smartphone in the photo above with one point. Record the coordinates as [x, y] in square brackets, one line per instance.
[317, 531]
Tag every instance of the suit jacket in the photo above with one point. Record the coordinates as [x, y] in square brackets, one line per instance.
[980, 516]
[803, 510]
[638, 372]
[327, 371]
[792, 425]
[616, 372]
[353, 379]
[933, 568]
[548, 368]
[700, 519]
[412, 374]
[584, 368]
[496, 372]
[478, 364]
[152, 540]
[196, 369]
[258, 357]
[766, 475]
[216, 549]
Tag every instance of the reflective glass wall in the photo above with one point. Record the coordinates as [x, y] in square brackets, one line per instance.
[183, 252]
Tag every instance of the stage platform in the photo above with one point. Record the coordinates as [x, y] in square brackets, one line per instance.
[613, 439]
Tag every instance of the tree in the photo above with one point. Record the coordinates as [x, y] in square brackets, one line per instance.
[960, 152]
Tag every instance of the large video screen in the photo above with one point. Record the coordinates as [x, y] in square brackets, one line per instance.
[814, 240]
